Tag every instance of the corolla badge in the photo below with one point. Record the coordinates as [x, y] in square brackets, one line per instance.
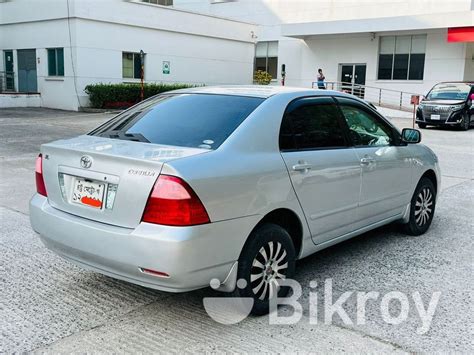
[86, 161]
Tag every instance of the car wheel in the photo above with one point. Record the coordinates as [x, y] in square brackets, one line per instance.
[422, 208]
[267, 258]
[465, 123]
[421, 125]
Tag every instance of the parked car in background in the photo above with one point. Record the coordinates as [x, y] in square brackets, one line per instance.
[447, 104]
[229, 183]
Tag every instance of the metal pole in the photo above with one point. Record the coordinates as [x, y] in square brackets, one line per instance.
[142, 88]
[380, 97]
[401, 99]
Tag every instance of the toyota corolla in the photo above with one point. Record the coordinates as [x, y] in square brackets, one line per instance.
[229, 183]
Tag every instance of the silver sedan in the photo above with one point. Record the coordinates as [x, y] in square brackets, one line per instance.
[229, 183]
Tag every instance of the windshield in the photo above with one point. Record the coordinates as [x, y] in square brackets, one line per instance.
[185, 120]
[449, 92]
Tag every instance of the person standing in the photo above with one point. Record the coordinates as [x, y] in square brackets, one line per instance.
[321, 78]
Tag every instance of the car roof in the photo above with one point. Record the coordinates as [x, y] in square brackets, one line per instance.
[457, 82]
[262, 91]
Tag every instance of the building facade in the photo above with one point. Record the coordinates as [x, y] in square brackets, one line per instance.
[392, 44]
[400, 45]
[57, 47]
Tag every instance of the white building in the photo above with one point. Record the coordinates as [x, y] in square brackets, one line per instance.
[404, 45]
[57, 47]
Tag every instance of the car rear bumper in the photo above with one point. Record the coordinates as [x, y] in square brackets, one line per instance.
[191, 256]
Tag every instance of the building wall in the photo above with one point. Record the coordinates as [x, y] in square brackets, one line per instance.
[469, 64]
[277, 12]
[201, 49]
[444, 61]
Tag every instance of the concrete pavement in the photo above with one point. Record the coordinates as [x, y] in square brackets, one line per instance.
[48, 305]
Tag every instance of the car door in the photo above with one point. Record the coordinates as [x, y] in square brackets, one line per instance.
[386, 164]
[324, 170]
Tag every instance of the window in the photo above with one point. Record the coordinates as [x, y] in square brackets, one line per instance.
[311, 124]
[449, 91]
[56, 62]
[402, 57]
[366, 129]
[266, 58]
[131, 65]
[184, 120]
[160, 2]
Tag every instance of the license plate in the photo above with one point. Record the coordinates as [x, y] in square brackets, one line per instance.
[435, 117]
[88, 193]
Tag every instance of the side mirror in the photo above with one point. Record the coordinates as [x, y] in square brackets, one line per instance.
[410, 135]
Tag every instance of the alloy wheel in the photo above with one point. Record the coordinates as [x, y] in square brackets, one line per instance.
[423, 207]
[268, 268]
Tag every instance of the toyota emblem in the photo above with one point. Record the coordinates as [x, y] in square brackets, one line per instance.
[86, 161]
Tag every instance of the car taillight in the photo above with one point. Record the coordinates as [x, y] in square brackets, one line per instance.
[40, 187]
[172, 202]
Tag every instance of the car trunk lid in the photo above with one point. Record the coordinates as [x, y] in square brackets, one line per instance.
[103, 179]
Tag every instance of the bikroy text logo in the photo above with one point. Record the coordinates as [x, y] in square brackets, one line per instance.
[394, 306]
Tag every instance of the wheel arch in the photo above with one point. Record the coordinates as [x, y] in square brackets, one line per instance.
[288, 220]
[431, 175]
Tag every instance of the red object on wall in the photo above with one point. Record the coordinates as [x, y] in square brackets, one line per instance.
[461, 34]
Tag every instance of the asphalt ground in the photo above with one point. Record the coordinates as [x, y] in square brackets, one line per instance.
[49, 305]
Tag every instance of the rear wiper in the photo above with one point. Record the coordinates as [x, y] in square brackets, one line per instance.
[136, 137]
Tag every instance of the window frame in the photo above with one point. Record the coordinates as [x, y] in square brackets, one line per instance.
[267, 57]
[134, 54]
[56, 69]
[393, 54]
[156, 2]
[346, 101]
[309, 101]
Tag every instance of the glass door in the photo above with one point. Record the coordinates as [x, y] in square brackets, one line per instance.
[352, 78]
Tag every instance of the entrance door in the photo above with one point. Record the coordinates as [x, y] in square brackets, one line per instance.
[9, 75]
[27, 80]
[352, 77]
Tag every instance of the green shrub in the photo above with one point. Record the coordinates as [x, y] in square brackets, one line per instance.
[262, 77]
[125, 95]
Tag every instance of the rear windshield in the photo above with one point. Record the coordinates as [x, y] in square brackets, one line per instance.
[454, 91]
[185, 120]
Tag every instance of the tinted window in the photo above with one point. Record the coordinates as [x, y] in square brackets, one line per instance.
[186, 120]
[313, 126]
[365, 128]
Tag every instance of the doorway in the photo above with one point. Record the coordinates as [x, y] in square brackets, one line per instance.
[353, 78]
[27, 80]
[9, 72]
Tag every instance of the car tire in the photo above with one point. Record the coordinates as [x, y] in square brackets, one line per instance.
[465, 122]
[422, 208]
[269, 246]
[422, 125]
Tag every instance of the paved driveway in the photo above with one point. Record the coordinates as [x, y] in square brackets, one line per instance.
[46, 304]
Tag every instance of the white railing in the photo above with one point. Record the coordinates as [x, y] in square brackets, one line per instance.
[395, 99]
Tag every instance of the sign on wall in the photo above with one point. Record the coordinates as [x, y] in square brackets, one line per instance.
[461, 34]
[166, 67]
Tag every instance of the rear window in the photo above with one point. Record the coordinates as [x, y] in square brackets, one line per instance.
[185, 120]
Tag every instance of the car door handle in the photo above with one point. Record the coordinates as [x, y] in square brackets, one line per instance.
[367, 161]
[302, 167]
